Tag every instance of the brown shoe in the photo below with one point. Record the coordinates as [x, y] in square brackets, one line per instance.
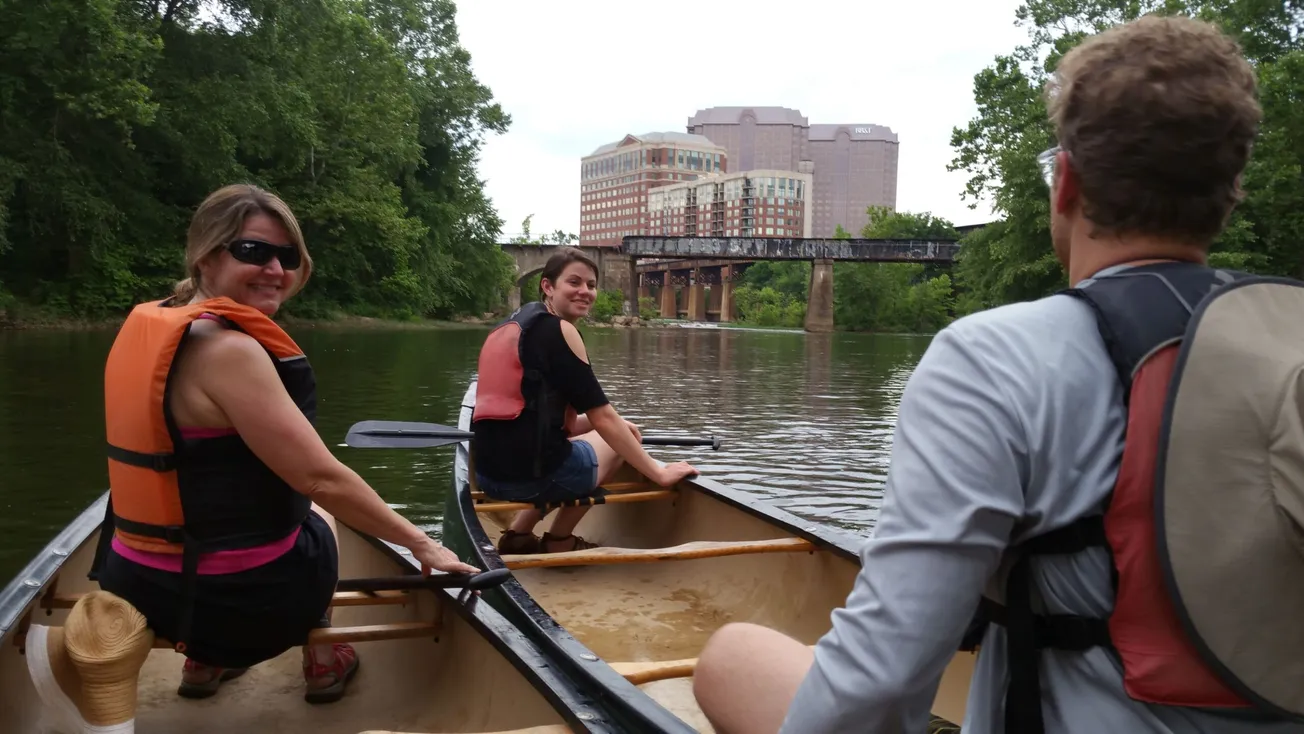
[577, 543]
[201, 681]
[514, 543]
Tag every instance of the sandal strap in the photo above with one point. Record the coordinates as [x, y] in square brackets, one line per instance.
[578, 544]
[342, 657]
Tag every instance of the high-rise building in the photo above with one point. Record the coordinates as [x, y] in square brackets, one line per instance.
[854, 166]
[615, 180]
[762, 203]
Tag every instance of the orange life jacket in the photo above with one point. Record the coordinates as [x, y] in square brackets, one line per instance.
[168, 494]
[507, 391]
[1142, 314]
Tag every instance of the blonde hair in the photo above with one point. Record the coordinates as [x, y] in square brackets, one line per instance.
[219, 220]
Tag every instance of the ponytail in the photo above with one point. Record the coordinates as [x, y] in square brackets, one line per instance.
[185, 290]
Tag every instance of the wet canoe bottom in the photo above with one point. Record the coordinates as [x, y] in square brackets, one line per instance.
[458, 682]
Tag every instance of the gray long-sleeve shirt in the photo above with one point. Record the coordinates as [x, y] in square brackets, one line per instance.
[1013, 417]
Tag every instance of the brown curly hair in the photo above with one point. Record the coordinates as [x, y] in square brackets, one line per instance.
[1158, 117]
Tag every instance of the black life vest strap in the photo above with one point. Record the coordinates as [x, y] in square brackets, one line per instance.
[1027, 633]
[157, 462]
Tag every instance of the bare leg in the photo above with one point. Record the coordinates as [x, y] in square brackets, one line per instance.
[568, 517]
[747, 676]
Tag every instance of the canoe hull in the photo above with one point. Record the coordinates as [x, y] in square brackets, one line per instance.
[472, 673]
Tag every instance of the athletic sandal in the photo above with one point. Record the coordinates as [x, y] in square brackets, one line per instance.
[343, 666]
[201, 681]
[578, 544]
[514, 543]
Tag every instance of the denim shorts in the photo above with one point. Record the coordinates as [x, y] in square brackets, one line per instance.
[576, 477]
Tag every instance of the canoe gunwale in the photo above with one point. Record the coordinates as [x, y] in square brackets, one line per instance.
[17, 596]
[565, 694]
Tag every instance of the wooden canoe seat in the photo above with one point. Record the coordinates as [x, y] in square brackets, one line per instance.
[545, 729]
[640, 673]
[687, 551]
[341, 599]
[597, 499]
[360, 633]
[612, 488]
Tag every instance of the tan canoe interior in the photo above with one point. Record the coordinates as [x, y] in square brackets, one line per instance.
[458, 684]
[675, 567]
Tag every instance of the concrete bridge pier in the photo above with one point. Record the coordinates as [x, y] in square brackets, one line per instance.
[513, 298]
[726, 293]
[819, 299]
[697, 298]
[669, 306]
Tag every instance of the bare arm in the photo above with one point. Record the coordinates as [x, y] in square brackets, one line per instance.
[618, 433]
[242, 382]
[580, 425]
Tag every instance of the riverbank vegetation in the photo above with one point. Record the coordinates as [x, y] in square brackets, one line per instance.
[121, 115]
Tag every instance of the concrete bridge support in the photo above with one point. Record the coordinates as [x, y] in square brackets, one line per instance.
[727, 273]
[669, 308]
[697, 298]
[819, 300]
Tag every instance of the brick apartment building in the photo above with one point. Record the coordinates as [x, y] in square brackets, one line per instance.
[853, 166]
[761, 203]
[615, 180]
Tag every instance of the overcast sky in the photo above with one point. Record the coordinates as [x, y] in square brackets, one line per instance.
[575, 74]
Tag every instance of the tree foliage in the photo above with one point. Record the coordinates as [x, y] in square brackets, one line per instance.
[1012, 259]
[122, 115]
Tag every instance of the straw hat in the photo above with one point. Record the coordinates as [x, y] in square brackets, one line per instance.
[86, 672]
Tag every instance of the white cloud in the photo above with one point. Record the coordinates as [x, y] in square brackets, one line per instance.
[580, 73]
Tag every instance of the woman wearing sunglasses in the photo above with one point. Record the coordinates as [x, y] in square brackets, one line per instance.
[220, 527]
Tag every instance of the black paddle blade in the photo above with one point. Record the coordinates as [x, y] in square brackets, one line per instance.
[402, 435]
[475, 582]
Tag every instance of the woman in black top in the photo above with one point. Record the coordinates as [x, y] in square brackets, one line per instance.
[574, 440]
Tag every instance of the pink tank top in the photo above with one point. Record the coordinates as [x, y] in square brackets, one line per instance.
[217, 562]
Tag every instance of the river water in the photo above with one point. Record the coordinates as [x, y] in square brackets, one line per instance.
[806, 418]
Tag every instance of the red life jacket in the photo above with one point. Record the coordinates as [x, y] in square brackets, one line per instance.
[1143, 314]
[508, 391]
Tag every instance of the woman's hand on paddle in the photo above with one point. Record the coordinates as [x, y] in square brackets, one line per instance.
[671, 473]
[434, 556]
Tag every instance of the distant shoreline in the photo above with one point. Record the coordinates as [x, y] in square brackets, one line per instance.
[37, 322]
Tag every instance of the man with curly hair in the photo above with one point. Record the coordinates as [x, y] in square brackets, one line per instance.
[1012, 429]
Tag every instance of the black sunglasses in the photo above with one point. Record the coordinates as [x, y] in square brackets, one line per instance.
[257, 252]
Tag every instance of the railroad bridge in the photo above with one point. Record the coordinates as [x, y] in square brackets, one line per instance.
[707, 267]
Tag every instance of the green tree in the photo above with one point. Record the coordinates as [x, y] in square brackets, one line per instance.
[895, 296]
[1012, 259]
[121, 115]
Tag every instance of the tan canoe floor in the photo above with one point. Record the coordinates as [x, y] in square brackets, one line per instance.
[674, 567]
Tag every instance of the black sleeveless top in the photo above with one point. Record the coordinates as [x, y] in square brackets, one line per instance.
[505, 450]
